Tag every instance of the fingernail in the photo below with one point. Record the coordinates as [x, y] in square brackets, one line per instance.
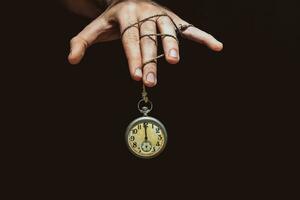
[173, 53]
[151, 78]
[138, 73]
[220, 45]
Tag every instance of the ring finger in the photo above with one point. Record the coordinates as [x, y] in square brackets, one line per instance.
[170, 43]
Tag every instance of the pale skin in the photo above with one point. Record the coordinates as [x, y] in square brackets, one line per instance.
[109, 25]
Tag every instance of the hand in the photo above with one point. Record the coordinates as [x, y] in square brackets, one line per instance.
[111, 23]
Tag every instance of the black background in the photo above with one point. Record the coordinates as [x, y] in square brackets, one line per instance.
[219, 108]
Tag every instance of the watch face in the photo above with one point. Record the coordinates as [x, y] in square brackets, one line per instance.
[146, 137]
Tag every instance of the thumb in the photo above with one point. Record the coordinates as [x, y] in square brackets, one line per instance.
[87, 37]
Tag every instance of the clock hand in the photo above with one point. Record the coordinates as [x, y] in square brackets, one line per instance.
[145, 128]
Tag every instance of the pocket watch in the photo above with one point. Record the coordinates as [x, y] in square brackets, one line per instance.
[146, 137]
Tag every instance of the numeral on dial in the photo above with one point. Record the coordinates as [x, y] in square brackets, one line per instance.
[134, 131]
[157, 130]
[132, 138]
[146, 124]
[153, 149]
[134, 145]
[160, 137]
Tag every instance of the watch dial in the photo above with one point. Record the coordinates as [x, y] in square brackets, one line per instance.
[146, 138]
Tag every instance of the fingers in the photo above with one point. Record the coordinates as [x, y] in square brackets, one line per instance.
[131, 45]
[149, 51]
[202, 37]
[84, 39]
[170, 44]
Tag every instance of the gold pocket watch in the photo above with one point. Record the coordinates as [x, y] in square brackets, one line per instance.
[146, 137]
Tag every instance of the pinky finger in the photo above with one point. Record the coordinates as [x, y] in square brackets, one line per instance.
[202, 37]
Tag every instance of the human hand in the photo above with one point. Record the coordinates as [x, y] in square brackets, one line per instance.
[113, 23]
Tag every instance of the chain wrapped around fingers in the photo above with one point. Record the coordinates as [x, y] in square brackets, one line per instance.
[178, 29]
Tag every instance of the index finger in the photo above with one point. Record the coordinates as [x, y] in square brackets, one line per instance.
[130, 37]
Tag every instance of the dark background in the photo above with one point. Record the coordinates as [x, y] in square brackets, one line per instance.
[219, 108]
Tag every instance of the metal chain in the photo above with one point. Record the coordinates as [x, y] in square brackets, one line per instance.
[145, 94]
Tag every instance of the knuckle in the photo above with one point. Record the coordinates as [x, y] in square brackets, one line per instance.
[188, 33]
[147, 7]
[135, 60]
[129, 7]
[148, 27]
[130, 37]
[147, 43]
[151, 67]
[171, 42]
[164, 21]
[209, 37]
[78, 40]
[74, 40]
[94, 28]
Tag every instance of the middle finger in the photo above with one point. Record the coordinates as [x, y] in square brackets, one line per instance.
[149, 51]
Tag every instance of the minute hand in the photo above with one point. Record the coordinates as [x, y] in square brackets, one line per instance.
[145, 128]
